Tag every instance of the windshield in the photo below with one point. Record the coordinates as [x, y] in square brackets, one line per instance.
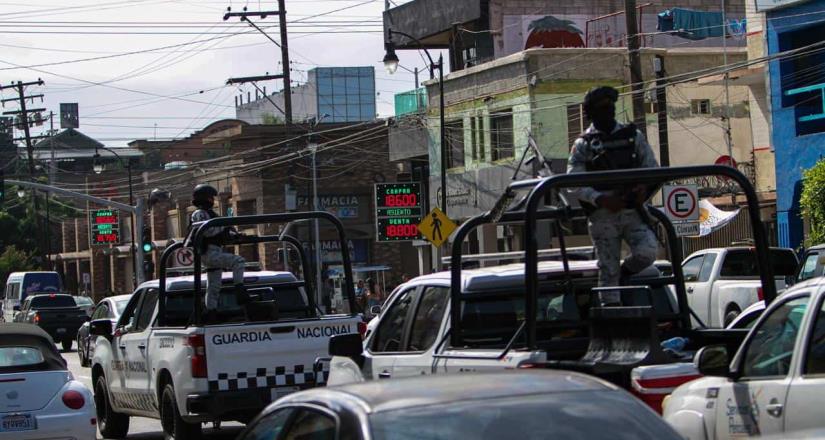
[591, 415]
[741, 263]
[83, 301]
[50, 301]
[19, 356]
[41, 282]
[121, 305]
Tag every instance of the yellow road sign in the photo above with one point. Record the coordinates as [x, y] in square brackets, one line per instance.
[436, 227]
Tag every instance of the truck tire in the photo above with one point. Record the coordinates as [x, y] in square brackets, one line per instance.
[66, 344]
[730, 315]
[174, 427]
[81, 354]
[111, 424]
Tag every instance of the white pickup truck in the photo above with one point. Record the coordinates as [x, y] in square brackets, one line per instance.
[409, 337]
[187, 374]
[722, 282]
[774, 383]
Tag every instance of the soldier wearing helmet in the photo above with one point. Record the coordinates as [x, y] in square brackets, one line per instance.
[614, 213]
[214, 258]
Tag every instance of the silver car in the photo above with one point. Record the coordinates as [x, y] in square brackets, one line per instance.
[522, 405]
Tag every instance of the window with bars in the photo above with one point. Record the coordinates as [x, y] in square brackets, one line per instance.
[576, 123]
[476, 140]
[501, 135]
[454, 133]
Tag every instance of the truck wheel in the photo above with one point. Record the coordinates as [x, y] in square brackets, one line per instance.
[66, 344]
[174, 427]
[110, 423]
[731, 314]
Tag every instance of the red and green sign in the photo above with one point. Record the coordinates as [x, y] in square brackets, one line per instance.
[104, 226]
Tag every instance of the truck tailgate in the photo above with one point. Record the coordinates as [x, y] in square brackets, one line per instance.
[274, 356]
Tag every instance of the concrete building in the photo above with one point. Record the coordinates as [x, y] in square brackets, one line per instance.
[334, 94]
[797, 94]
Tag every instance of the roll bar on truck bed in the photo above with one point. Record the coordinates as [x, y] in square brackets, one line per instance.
[533, 209]
[250, 220]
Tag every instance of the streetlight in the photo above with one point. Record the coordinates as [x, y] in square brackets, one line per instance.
[98, 168]
[21, 193]
[391, 64]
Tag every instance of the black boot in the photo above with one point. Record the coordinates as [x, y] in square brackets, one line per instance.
[624, 279]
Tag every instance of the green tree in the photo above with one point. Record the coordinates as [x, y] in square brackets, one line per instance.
[812, 202]
[14, 260]
[270, 119]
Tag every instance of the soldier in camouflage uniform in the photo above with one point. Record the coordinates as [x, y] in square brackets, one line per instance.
[214, 258]
[614, 213]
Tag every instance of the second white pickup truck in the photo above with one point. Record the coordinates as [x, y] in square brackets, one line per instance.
[186, 374]
[722, 282]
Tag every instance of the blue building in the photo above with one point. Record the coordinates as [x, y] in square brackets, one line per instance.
[336, 94]
[797, 86]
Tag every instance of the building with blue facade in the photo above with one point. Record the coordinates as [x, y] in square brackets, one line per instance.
[334, 94]
[794, 34]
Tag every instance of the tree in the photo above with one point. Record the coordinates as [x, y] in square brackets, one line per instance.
[270, 119]
[812, 202]
[14, 260]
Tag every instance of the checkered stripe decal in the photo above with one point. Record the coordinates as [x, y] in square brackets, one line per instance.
[297, 375]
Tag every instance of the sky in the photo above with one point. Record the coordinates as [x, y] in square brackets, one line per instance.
[82, 50]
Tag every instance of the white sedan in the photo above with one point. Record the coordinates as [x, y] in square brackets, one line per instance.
[39, 398]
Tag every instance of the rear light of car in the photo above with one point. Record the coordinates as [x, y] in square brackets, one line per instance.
[198, 360]
[654, 390]
[73, 399]
[362, 329]
[36, 318]
[760, 294]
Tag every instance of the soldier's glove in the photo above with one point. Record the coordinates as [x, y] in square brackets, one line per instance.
[612, 203]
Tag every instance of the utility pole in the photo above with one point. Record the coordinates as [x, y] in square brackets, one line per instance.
[635, 61]
[281, 12]
[661, 103]
[23, 115]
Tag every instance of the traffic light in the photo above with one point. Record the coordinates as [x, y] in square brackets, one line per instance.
[146, 244]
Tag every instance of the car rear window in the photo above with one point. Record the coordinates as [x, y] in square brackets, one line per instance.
[19, 356]
[179, 305]
[50, 301]
[41, 282]
[741, 263]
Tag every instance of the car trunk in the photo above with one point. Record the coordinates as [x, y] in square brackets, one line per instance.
[29, 391]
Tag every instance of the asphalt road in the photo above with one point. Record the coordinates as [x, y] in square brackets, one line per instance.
[141, 428]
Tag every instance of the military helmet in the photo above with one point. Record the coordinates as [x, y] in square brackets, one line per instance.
[202, 193]
[597, 94]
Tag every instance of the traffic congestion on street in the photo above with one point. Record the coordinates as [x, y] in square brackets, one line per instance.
[592, 220]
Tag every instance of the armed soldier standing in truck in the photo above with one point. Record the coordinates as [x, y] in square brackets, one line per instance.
[614, 214]
[214, 258]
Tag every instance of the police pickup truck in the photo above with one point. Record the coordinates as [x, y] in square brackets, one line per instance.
[185, 375]
[772, 386]
[546, 314]
[162, 361]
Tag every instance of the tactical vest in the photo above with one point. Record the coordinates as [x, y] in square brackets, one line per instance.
[614, 151]
[217, 240]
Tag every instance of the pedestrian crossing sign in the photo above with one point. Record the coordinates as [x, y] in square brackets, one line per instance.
[436, 227]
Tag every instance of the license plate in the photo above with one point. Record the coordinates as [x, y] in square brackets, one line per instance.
[61, 330]
[18, 422]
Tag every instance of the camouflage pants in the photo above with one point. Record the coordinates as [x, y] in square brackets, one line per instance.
[216, 258]
[607, 230]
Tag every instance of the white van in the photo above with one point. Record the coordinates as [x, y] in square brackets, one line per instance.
[21, 284]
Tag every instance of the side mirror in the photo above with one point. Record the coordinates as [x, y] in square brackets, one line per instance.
[101, 327]
[713, 360]
[16, 308]
[349, 345]
[375, 310]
